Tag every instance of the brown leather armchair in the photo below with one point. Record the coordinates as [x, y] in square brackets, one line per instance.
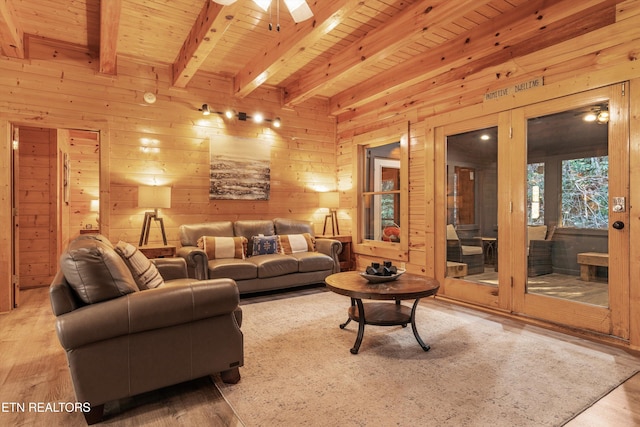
[121, 341]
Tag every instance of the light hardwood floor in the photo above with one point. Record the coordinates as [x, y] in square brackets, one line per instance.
[33, 370]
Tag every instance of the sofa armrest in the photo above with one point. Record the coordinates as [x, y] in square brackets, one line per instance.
[171, 268]
[330, 247]
[197, 261]
[147, 310]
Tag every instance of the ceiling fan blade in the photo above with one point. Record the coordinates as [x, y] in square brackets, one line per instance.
[264, 4]
[299, 9]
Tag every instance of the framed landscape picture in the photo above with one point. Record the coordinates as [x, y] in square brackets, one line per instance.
[240, 168]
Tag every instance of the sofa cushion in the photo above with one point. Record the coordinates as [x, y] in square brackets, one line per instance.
[223, 247]
[144, 272]
[313, 261]
[292, 226]
[236, 269]
[95, 271]
[274, 265]
[536, 232]
[190, 233]
[251, 227]
[265, 245]
[292, 243]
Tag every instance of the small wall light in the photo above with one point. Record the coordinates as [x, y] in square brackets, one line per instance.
[205, 110]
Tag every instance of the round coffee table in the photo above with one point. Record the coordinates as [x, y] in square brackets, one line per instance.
[405, 287]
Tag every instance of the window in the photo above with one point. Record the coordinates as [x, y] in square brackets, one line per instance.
[381, 193]
[585, 192]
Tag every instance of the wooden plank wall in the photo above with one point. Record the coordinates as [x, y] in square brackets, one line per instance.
[167, 143]
[604, 56]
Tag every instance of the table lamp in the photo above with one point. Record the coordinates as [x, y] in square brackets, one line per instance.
[94, 206]
[153, 197]
[331, 200]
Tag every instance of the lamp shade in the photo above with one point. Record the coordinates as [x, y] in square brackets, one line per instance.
[94, 206]
[330, 199]
[154, 197]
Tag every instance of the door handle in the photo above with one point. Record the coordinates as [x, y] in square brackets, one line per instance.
[618, 225]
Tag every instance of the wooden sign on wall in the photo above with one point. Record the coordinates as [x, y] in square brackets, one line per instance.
[512, 90]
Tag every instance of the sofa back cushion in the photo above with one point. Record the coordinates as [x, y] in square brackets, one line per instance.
[95, 271]
[250, 228]
[190, 233]
[292, 226]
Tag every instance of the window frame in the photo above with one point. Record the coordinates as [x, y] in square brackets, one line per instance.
[379, 248]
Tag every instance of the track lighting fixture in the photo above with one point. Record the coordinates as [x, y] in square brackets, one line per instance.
[240, 115]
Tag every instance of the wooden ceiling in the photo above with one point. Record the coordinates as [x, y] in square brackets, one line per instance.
[351, 53]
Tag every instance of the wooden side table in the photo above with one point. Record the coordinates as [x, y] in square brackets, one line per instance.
[346, 257]
[89, 231]
[158, 251]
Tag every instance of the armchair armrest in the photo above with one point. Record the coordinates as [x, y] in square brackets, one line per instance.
[330, 247]
[171, 268]
[147, 310]
[197, 261]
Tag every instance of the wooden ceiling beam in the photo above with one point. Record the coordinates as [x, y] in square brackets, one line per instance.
[210, 26]
[109, 24]
[449, 80]
[293, 40]
[403, 29]
[525, 29]
[11, 33]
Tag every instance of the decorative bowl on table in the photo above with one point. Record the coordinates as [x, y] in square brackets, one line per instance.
[376, 278]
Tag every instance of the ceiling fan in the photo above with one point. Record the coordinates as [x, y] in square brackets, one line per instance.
[299, 9]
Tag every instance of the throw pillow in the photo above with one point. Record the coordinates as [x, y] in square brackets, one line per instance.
[95, 271]
[223, 247]
[265, 245]
[144, 272]
[293, 243]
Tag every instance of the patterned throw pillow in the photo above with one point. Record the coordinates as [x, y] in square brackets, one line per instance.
[293, 243]
[144, 272]
[223, 247]
[265, 245]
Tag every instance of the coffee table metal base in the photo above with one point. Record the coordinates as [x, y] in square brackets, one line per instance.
[382, 314]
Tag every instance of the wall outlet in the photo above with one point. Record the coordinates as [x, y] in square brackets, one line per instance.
[403, 265]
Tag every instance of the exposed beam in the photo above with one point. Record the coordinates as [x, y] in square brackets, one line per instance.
[109, 24]
[293, 40]
[505, 37]
[206, 32]
[11, 34]
[403, 29]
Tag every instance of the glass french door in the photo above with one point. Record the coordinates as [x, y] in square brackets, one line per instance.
[545, 232]
[570, 241]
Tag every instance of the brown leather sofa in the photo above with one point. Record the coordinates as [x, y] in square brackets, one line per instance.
[121, 341]
[255, 273]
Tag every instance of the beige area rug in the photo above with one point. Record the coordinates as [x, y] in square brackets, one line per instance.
[482, 370]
